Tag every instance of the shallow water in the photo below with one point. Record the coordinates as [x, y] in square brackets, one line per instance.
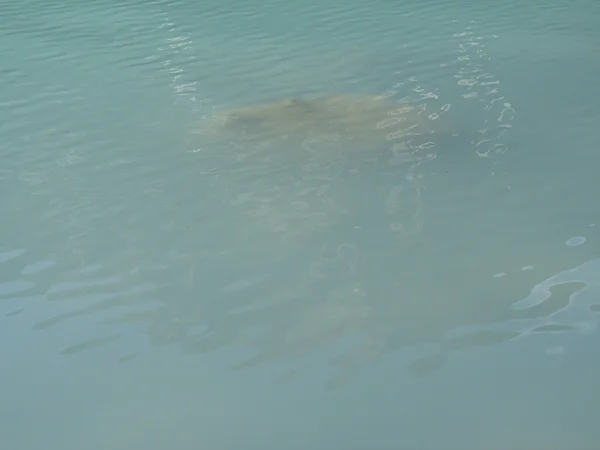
[161, 290]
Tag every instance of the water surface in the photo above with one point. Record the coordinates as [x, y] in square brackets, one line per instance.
[160, 289]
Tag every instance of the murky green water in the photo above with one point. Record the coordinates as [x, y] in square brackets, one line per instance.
[315, 273]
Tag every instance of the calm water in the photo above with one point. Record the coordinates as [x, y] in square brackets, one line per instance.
[162, 287]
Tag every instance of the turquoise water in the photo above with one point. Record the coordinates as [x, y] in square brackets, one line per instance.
[160, 288]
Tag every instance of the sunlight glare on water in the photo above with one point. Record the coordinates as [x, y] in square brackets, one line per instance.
[325, 225]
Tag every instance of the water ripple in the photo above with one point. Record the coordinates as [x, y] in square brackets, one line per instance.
[131, 223]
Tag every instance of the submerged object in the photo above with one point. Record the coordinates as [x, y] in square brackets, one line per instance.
[297, 166]
[364, 119]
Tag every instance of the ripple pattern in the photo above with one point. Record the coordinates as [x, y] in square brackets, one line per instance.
[116, 212]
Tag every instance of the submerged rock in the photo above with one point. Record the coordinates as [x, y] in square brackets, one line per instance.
[299, 166]
[335, 118]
